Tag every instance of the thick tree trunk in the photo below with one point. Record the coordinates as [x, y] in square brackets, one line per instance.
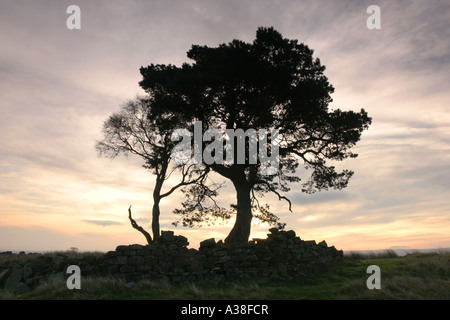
[241, 229]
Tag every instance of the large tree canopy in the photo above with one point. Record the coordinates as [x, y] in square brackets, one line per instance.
[272, 83]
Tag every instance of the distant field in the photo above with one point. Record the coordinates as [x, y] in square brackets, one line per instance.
[414, 276]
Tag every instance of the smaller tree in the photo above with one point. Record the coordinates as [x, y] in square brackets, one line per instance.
[136, 130]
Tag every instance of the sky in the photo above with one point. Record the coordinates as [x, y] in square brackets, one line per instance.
[58, 86]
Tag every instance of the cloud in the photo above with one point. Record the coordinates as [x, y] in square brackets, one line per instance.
[103, 223]
[34, 238]
[58, 86]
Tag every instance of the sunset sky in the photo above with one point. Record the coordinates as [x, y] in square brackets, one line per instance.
[57, 86]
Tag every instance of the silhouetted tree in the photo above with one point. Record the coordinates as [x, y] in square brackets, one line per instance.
[136, 130]
[271, 83]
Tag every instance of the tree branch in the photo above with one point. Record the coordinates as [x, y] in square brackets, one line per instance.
[139, 228]
[280, 197]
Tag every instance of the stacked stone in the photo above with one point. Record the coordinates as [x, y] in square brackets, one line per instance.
[168, 257]
[28, 271]
[282, 255]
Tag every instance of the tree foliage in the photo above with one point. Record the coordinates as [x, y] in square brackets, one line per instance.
[273, 82]
[136, 130]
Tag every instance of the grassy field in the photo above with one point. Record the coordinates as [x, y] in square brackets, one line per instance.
[415, 276]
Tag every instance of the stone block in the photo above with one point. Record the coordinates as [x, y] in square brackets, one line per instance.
[323, 244]
[167, 235]
[208, 243]
[180, 261]
[121, 248]
[121, 260]
[136, 260]
[127, 269]
[150, 261]
[290, 234]
[309, 243]
[137, 247]
[219, 253]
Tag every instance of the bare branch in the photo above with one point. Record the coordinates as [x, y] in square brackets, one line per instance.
[138, 227]
[270, 188]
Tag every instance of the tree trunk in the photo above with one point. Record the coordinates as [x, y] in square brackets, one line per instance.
[160, 177]
[155, 217]
[241, 229]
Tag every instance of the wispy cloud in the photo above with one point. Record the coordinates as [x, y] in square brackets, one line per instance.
[103, 223]
[58, 86]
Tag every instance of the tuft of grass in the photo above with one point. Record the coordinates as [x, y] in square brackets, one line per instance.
[371, 254]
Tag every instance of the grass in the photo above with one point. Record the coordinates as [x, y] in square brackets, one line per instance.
[69, 253]
[415, 276]
[370, 254]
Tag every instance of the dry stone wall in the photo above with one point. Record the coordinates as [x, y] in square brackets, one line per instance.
[282, 255]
